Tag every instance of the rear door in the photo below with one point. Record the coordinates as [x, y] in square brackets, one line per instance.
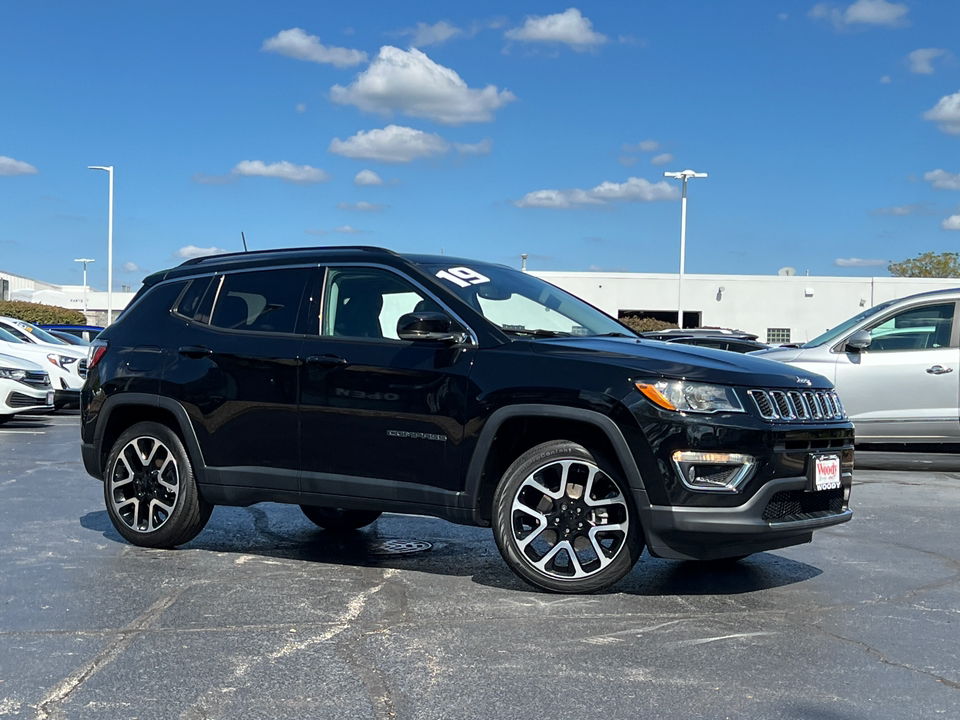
[906, 386]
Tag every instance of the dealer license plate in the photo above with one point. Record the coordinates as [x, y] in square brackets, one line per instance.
[826, 472]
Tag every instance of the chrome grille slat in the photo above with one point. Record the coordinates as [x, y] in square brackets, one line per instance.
[796, 405]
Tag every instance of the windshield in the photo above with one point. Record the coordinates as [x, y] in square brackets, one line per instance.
[835, 333]
[42, 335]
[521, 304]
[9, 337]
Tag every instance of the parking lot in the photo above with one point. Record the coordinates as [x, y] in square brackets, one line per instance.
[263, 615]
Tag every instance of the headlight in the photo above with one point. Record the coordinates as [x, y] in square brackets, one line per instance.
[683, 396]
[12, 374]
[61, 361]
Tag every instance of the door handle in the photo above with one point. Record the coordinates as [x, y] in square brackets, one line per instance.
[326, 361]
[195, 351]
[939, 370]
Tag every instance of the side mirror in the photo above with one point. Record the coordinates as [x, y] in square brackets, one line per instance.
[858, 342]
[430, 326]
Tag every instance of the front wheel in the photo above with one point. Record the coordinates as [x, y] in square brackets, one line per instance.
[149, 488]
[339, 518]
[564, 521]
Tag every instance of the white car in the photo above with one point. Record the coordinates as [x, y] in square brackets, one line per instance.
[24, 385]
[66, 364]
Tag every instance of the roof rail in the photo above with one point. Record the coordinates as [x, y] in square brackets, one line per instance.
[221, 256]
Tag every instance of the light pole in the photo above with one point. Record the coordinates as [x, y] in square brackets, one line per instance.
[109, 169]
[85, 261]
[683, 175]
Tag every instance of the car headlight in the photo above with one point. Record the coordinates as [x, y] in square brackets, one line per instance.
[61, 361]
[684, 396]
[11, 374]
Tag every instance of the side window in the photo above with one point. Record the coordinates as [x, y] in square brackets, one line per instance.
[260, 301]
[918, 328]
[368, 302]
[191, 298]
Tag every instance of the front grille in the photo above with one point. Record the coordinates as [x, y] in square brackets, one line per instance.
[37, 379]
[19, 400]
[793, 505]
[798, 405]
[82, 368]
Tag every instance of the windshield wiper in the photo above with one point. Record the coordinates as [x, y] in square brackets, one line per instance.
[537, 332]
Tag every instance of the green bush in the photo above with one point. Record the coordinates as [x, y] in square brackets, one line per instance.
[41, 314]
[644, 324]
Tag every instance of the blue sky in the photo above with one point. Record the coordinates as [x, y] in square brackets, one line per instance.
[830, 132]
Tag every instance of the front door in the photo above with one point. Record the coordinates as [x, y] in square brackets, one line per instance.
[380, 416]
[906, 386]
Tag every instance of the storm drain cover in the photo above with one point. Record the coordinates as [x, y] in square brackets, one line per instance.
[399, 547]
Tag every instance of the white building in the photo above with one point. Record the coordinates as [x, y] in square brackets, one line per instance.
[776, 308]
[17, 287]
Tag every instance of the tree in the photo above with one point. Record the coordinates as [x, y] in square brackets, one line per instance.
[928, 264]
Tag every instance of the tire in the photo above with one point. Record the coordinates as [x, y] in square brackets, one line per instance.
[149, 488]
[564, 520]
[5, 418]
[339, 518]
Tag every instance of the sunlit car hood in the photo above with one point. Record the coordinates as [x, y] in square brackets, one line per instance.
[779, 354]
[671, 360]
[14, 363]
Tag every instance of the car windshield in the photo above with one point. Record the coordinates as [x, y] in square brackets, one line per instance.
[42, 335]
[834, 333]
[9, 337]
[524, 305]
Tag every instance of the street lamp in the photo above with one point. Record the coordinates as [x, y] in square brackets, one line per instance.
[683, 175]
[109, 169]
[85, 261]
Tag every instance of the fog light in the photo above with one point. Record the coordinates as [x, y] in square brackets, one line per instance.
[713, 472]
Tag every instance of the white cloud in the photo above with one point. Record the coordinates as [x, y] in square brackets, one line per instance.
[192, 251]
[301, 107]
[662, 159]
[484, 147]
[9, 166]
[951, 223]
[627, 160]
[347, 230]
[392, 144]
[642, 146]
[885, 80]
[942, 179]
[367, 177]
[361, 206]
[947, 113]
[858, 262]
[900, 210]
[863, 12]
[410, 83]
[921, 61]
[435, 34]
[633, 190]
[297, 44]
[569, 27]
[131, 267]
[284, 170]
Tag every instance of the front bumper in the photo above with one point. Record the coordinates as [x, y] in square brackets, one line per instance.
[66, 398]
[783, 512]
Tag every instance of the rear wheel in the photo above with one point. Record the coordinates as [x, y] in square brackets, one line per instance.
[564, 521]
[149, 488]
[339, 518]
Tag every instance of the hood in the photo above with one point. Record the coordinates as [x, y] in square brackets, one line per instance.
[687, 362]
[779, 354]
[14, 363]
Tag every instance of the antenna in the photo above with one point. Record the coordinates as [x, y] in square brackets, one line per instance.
[242, 237]
[787, 271]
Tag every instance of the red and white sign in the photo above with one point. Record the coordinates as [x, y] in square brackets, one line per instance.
[827, 472]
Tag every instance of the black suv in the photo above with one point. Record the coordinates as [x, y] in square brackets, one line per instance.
[353, 381]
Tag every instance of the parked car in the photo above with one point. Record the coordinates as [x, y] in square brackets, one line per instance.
[718, 338]
[84, 332]
[24, 385]
[66, 364]
[896, 366]
[68, 338]
[353, 381]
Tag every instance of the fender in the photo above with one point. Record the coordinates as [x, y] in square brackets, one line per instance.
[590, 417]
[153, 401]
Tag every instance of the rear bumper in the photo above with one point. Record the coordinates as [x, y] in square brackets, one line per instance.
[782, 513]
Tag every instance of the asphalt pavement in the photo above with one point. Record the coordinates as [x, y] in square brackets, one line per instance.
[264, 615]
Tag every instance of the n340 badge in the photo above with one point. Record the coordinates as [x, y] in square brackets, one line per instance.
[826, 472]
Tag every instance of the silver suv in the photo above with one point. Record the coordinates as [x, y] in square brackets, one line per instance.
[896, 368]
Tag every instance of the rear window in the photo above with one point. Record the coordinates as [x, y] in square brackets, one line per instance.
[262, 301]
